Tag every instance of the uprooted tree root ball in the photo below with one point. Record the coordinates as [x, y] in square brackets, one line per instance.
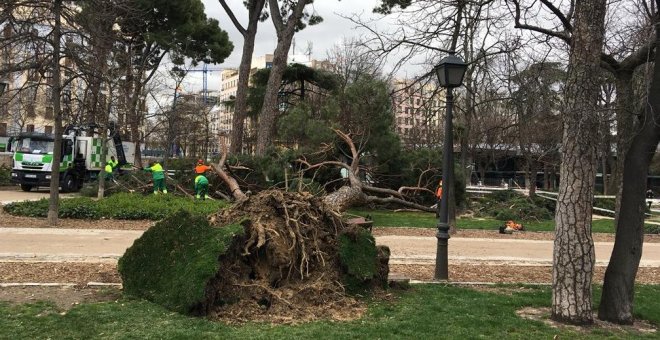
[288, 265]
[275, 257]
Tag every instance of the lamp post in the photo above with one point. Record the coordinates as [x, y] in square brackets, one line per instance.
[450, 74]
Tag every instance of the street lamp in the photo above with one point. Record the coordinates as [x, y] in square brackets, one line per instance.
[450, 74]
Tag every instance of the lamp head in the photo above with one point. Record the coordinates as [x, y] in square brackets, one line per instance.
[450, 71]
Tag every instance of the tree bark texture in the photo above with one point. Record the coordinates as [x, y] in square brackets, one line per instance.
[240, 106]
[625, 106]
[269, 110]
[619, 286]
[345, 197]
[573, 258]
[54, 200]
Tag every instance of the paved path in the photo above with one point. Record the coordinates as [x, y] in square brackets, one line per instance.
[40, 244]
[17, 195]
[421, 250]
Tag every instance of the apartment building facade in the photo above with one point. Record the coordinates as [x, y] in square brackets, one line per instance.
[418, 111]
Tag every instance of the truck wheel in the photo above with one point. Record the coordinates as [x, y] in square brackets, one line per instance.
[26, 187]
[68, 184]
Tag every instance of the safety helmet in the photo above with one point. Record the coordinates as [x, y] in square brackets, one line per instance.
[199, 161]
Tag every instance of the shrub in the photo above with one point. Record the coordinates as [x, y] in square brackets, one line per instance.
[651, 229]
[119, 206]
[510, 205]
[28, 208]
[172, 263]
[80, 208]
[5, 175]
[89, 190]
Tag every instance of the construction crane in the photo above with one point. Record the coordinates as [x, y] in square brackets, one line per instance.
[205, 81]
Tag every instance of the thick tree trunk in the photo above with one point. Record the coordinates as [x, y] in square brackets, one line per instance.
[240, 106]
[54, 201]
[269, 110]
[574, 258]
[344, 198]
[619, 287]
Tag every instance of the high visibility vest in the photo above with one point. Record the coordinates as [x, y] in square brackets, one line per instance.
[157, 171]
[108, 168]
[201, 168]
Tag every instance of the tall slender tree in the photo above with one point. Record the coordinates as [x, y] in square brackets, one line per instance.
[287, 18]
[255, 14]
[619, 285]
[53, 206]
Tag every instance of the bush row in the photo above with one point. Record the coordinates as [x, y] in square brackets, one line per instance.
[120, 206]
[510, 205]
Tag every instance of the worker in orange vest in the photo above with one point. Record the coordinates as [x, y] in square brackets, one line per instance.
[438, 195]
[200, 169]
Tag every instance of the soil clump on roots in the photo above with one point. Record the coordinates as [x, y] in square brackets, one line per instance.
[286, 268]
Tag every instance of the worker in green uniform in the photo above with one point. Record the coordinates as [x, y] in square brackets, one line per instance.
[108, 171]
[158, 175]
[113, 163]
[201, 187]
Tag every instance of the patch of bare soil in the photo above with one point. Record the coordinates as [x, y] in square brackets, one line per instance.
[494, 234]
[63, 297]
[58, 272]
[287, 268]
[508, 274]
[10, 221]
[543, 314]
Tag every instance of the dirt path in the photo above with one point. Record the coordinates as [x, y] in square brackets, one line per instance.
[103, 246]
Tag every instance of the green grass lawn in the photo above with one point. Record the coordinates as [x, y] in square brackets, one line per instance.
[424, 312]
[386, 218]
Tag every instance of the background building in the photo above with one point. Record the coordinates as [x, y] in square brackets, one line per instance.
[417, 108]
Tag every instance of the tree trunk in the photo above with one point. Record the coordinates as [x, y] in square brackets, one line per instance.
[269, 110]
[625, 103]
[53, 206]
[574, 258]
[104, 156]
[534, 171]
[619, 286]
[240, 107]
[344, 198]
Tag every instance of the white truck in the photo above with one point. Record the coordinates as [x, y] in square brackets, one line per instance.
[80, 161]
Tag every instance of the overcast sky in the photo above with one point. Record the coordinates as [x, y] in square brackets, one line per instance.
[323, 36]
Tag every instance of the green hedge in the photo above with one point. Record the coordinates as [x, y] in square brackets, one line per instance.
[119, 206]
[172, 262]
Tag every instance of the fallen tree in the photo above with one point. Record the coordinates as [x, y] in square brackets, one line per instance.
[355, 192]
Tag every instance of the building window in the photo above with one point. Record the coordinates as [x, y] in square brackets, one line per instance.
[49, 112]
[30, 111]
[48, 129]
[30, 128]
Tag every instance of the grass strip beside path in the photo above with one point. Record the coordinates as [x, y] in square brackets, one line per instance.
[424, 312]
[385, 218]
